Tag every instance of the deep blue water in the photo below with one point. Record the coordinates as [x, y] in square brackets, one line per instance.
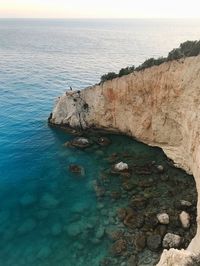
[39, 59]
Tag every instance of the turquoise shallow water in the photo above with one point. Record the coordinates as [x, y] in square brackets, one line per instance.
[40, 198]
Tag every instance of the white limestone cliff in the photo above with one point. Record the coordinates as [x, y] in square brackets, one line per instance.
[159, 106]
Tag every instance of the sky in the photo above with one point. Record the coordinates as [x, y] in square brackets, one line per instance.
[99, 8]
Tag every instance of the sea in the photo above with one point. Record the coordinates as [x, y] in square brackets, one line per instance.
[48, 215]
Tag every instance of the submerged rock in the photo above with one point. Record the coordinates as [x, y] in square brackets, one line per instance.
[119, 247]
[103, 141]
[27, 199]
[74, 229]
[154, 242]
[49, 201]
[77, 169]
[100, 232]
[171, 241]
[56, 229]
[140, 241]
[78, 142]
[44, 252]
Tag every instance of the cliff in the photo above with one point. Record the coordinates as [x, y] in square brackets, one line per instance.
[159, 106]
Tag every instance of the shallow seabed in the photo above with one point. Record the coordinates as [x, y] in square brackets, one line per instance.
[68, 218]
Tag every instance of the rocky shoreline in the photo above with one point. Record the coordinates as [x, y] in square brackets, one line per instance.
[141, 215]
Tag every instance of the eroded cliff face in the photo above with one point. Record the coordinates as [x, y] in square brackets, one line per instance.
[159, 106]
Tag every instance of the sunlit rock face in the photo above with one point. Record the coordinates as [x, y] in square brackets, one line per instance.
[159, 106]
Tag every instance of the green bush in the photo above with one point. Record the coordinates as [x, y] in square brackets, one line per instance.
[186, 49]
[109, 76]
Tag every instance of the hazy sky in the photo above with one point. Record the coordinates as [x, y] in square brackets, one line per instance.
[100, 8]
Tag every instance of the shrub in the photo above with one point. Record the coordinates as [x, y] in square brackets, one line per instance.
[186, 49]
[109, 76]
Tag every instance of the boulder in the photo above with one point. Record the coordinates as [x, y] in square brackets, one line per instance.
[185, 219]
[171, 241]
[163, 218]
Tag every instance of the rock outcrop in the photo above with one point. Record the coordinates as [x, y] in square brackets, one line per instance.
[159, 106]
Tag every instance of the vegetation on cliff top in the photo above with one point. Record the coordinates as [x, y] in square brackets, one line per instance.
[186, 49]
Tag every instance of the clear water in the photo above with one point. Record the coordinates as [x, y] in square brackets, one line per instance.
[39, 59]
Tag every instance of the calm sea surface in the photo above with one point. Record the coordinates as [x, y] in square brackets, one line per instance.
[39, 59]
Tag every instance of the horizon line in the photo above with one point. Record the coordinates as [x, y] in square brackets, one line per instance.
[100, 18]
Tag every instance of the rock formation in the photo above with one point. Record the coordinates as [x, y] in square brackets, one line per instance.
[159, 106]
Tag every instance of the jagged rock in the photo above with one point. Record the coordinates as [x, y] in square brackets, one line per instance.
[171, 241]
[174, 257]
[185, 219]
[163, 218]
[154, 242]
[121, 166]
